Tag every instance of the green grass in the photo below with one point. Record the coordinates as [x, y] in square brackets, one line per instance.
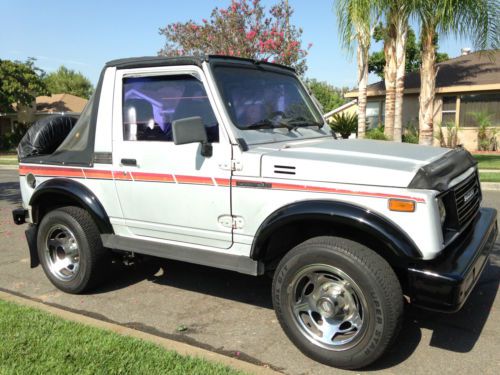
[488, 161]
[489, 176]
[35, 342]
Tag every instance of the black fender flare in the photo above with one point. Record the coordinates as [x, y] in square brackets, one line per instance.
[337, 213]
[72, 191]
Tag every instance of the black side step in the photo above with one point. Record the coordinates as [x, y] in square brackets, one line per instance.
[241, 264]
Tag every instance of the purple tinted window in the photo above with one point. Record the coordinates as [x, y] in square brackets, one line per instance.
[256, 95]
[151, 104]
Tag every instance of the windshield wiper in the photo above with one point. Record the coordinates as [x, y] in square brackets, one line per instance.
[297, 122]
[265, 124]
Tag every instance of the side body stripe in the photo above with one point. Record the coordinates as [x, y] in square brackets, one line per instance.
[91, 173]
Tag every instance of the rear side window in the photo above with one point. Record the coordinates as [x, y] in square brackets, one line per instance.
[151, 104]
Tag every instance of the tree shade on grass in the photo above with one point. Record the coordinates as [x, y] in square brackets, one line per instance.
[35, 342]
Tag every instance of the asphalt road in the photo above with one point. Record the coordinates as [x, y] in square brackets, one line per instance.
[232, 313]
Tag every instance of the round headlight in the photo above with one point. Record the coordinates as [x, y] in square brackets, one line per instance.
[442, 211]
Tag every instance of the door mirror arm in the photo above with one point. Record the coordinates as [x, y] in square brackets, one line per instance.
[206, 149]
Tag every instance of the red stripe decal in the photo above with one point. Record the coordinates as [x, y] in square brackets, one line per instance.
[101, 174]
[50, 171]
[223, 181]
[121, 175]
[193, 180]
[320, 189]
[153, 177]
[199, 180]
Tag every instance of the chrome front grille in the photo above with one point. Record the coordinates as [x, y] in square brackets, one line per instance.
[467, 199]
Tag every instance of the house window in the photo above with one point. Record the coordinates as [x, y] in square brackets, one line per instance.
[474, 105]
[374, 114]
[449, 110]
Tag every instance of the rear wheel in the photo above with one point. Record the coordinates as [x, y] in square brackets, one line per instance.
[70, 249]
[339, 302]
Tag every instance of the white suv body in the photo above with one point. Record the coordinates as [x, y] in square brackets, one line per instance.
[226, 202]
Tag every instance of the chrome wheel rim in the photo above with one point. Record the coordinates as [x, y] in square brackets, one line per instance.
[328, 307]
[62, 254]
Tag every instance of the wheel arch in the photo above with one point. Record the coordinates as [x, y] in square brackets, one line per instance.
[292, 224]
[59, 192]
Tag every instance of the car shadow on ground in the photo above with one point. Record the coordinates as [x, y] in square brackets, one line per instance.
[457, 332]
[9, 192]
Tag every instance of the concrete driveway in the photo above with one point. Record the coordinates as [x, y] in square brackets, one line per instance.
[232, 313]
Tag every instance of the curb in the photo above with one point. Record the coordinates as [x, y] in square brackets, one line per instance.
[490, 186]
[179, 347]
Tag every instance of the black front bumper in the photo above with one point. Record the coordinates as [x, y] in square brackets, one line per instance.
[444, 283]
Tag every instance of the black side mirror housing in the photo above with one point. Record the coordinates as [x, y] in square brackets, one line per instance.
[191, 130]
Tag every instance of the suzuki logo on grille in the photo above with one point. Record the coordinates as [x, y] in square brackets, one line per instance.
[469, 195]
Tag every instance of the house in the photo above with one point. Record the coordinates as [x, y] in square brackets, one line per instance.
[465, 85]
[44, 106]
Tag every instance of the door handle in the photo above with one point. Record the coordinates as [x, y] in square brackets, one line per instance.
[129, 162]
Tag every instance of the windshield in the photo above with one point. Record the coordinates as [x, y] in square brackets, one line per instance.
[258, 99]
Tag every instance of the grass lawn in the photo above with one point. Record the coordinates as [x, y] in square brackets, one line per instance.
[35, 342]
[488, 161]
[8, 159]
[489, 176]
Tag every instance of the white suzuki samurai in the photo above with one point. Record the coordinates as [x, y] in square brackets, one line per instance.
[228, 163]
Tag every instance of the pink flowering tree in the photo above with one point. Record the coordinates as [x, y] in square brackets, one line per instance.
[244, 29]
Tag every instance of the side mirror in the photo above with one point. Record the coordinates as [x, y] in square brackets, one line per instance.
[191, 130]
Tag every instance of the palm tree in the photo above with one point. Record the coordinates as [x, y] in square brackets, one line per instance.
[478, 19]
[356, 21]
[396, 13]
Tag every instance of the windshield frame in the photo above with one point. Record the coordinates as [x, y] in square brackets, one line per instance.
[278, 133]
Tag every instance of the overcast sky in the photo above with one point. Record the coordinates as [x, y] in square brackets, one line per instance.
[83, 35]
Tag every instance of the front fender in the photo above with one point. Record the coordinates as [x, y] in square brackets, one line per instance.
[337, 213]
[72, 192]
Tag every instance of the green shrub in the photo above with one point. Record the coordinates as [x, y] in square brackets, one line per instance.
[410, 133]
[451, 138]
[376, 133]
[486, 138]
[9, 141]
[345, 124]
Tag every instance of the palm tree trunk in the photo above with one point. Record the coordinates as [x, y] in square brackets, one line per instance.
[362, 83]
[427, 87]
[402, 30]
[390, 83]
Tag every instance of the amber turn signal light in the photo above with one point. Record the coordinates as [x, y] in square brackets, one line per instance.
[401, 205]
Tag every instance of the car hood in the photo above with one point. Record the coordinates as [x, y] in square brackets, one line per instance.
[355, 161]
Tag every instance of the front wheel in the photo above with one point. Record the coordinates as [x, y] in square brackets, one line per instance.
[70, 249]
[339, 302]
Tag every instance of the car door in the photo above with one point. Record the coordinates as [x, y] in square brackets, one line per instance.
[167, 191]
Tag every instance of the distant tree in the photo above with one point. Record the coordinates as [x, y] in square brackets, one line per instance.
[20, 83]
[376, 62]
[243, 29]
[65, 80]
[329, 96]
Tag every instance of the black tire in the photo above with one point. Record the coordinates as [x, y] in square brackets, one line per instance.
[89, 265]
[367, 285]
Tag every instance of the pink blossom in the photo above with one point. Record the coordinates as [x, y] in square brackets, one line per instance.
[309, 45]
[251, 34]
